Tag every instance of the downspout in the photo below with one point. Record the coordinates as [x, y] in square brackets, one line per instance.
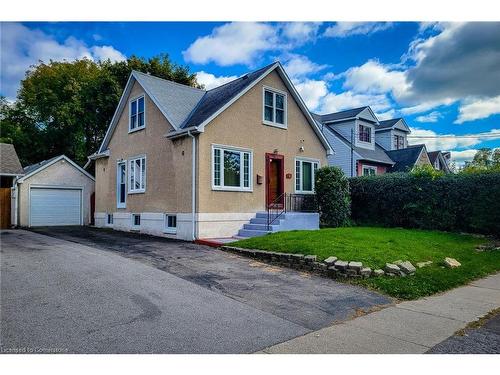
[193, 186]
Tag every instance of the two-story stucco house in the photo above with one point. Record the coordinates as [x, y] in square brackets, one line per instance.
[189, 163]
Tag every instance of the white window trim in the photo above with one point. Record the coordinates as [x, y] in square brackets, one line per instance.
[285, 115]
[250, 172]
[130, 113]
[166, 228]
[132, 225]
[118, 203]
[301, 181]
[359, 134]
[363, 167]
[107, 219]
[132, 159]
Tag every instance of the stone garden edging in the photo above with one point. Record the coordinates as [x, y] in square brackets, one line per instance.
[330, 267]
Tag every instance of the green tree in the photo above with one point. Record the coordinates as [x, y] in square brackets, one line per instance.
[66, 107]
[485, 159]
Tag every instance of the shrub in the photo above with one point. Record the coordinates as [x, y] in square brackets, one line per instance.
[462, 202]
[332, 194]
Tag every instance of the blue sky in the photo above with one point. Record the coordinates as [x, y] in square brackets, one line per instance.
[443, 78]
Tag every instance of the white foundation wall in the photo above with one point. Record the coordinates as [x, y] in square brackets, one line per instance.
[208, 225]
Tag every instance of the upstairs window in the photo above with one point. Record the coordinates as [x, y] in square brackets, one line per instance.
[399, 142]
[275, 108]
[305, 171]
[137, 175]
[137, 114]
[231, 169]
[365, 134]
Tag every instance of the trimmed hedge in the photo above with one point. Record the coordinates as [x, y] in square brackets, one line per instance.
[451, 202]
[332, 195]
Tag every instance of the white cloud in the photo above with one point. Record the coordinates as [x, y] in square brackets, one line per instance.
[345, 29]
[435, 141]
[312, 92]
[23, 47]
[210, 81]
[430, 117]
[345, 100]
[460, 157]
[475, 109]
[298, 66]
[374, 77]
[387, 115]
[300, 32]
[232, 43]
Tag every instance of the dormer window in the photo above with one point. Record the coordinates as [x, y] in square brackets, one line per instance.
[137, 119]
[275, 108]
[365, 134]
[399, 142]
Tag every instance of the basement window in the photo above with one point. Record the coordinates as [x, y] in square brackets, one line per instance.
[136, 221]
[110, 219]
[170, 223]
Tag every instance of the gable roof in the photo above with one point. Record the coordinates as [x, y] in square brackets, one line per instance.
[9, 162]
[216, 98]
[433, 156]
[189, 109]
[176, 101]
[394, 123]
[405, 158]
[38, 167]
[343, 115]
[377, 155]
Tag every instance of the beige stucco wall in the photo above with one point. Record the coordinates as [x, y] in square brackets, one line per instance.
[59, 174]
[241, 125]
[168, 165]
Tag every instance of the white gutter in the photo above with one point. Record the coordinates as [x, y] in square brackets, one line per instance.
[193, 185]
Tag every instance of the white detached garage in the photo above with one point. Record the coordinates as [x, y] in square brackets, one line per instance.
[54, 192]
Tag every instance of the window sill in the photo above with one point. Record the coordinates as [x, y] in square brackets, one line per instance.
[137, 191]
[237, 190]
[275, 124]
[136, 129]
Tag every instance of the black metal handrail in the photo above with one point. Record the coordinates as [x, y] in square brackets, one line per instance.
[288, 202]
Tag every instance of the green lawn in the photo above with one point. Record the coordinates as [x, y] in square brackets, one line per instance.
[376, 246]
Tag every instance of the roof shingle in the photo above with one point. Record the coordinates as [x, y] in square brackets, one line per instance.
[9, 162]
[405, 158]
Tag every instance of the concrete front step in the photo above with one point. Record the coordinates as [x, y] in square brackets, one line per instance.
[263, 221]
[263, 215]
[260, 226]
[252, 233]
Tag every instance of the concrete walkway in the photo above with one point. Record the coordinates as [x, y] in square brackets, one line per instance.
[408, 327]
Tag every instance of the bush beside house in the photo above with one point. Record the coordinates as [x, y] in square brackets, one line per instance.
[332, 194]
[450, 202]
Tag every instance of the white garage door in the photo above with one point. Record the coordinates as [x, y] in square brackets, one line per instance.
[55, 206]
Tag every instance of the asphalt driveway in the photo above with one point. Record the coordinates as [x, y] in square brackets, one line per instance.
[90, 290]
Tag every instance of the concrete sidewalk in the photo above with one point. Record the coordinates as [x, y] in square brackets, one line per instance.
[408, 327]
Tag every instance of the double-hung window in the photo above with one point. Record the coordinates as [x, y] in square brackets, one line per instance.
[231, 168]
[137, 175]
[137, 119]
[275, 108]
[305, 171]
[369, 170]
[399, 142]
[365, 134]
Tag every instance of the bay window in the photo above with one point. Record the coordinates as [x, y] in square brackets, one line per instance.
[231, 168]
[305, 171]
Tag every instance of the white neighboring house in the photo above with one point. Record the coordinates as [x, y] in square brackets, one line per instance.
[53, 192]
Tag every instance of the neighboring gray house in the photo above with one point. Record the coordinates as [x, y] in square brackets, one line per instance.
[440, 160]
[366, 146]
[352, 134]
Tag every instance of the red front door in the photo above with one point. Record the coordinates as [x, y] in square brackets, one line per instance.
[274, 179]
